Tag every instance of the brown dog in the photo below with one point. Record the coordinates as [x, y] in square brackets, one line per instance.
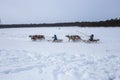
[36, 37]
[73, 37]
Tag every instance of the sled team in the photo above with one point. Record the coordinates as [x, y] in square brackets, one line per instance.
[70, 38]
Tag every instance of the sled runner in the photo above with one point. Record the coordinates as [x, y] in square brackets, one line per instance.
[59, 40]
[91, 41]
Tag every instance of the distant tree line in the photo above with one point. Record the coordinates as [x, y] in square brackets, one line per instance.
[108, 23]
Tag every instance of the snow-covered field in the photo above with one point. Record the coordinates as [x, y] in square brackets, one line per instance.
[23, 59]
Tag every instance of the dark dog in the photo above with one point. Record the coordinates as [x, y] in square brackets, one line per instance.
[36, 37]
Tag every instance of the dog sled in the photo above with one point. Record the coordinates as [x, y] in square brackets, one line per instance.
[74, 38]
[91, 41]
[59, 40]
[56, 41]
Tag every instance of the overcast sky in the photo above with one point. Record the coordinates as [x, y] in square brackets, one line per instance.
[45, 11]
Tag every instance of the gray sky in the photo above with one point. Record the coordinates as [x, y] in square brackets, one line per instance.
[45, 11]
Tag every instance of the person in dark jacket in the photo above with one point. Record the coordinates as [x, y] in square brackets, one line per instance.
[91, 37]
[55, 37]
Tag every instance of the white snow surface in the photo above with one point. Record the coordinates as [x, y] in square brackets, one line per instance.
[23, 59]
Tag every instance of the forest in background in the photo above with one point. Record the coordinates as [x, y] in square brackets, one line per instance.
[107, 23]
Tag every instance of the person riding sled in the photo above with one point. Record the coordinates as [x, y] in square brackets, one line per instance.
[55, 38]
[91, 37]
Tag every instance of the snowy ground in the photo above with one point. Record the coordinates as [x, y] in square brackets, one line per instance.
[23, 59]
